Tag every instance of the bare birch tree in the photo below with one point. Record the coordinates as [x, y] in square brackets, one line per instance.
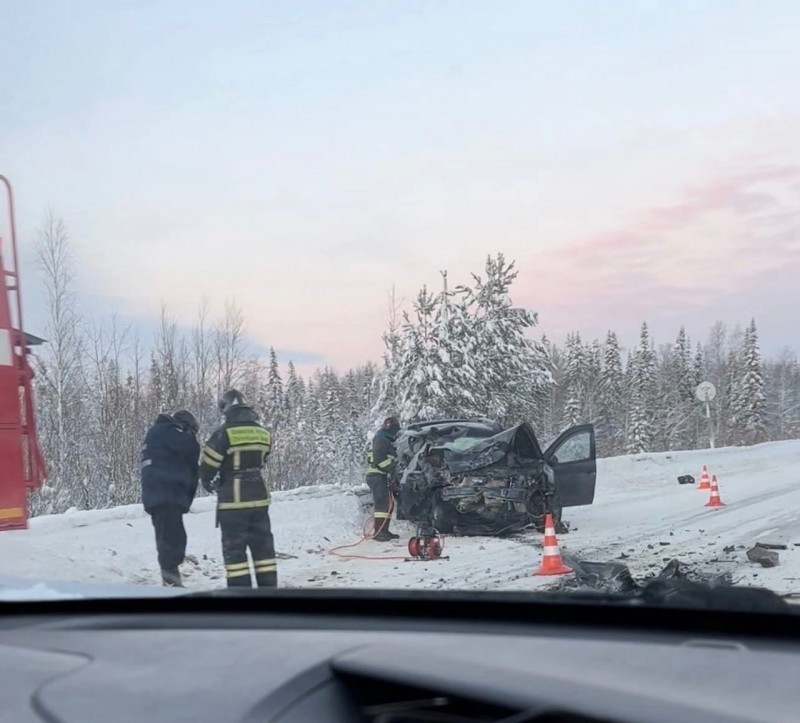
[229, 347]
[60, 377]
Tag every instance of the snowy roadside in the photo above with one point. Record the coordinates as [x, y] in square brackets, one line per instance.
[640, 512]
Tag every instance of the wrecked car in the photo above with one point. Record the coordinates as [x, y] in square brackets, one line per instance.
[472, 477]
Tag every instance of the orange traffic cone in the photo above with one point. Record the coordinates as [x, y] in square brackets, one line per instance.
[704, 482]
[552, 564]
[715, 500]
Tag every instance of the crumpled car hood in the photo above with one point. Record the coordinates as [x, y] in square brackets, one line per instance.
[468, 454]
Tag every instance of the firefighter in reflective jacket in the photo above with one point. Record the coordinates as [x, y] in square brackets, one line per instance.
[232, 466]
[381, 464]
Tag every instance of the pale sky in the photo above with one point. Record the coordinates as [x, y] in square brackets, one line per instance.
[639, 160]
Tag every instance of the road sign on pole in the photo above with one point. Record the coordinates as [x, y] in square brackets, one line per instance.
[706, 392]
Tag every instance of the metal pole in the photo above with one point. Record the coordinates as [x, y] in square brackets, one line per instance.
[710, 426]
[13, 228]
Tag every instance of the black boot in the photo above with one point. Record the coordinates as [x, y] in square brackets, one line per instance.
[171, 578]
[382, 533]
[266, 579]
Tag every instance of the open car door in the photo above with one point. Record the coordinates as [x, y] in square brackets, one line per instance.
[573, 457]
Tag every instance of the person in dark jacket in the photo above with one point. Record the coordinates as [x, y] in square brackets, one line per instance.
[381, 465]
[232, 466]
[170, 463]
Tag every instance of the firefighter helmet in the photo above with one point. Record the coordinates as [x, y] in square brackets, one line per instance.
[392, 425]
[229, 399]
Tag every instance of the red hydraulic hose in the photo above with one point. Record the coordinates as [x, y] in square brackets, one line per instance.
[366, 536]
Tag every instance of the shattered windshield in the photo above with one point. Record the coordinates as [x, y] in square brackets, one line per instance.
[452, 295]
[465, 444]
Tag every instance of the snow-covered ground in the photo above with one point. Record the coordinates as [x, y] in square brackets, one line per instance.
[640, 511]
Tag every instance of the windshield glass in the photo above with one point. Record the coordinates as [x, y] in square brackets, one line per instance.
[275, 273]
[463, 445]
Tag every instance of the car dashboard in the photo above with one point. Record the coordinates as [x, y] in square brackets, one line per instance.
[412, 657]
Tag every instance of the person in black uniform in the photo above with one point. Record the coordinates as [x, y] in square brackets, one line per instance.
[381, 465]
[170, 457]
[232, 466]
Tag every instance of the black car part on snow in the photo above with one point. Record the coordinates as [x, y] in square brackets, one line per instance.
[616, 577]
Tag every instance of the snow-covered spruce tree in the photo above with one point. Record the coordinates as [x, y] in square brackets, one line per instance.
[353, 447]
[369, 380]
[310, 465]
[387, 400]
[688, 375]
[428, 360]
[338, 415]
[274, 391]
[251, 384]
[752, 401]
[354, 402]
[676, 411]
[293, 444]
[722, 354]
[459, 352]
[670, 413]
[700, 373]
[593, 354]
[466, 353]
[715, 364]
[575, 376]
[612, 412]
[641, 388]
[552, 411]
[294, 398]
[782, 387]
[514, 371]
[420, 371]
[330, 426]
[732, 401]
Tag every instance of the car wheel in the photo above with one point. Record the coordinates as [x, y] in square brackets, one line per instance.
[538, 508]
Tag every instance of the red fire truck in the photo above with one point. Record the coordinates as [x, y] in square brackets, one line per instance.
[22, 466]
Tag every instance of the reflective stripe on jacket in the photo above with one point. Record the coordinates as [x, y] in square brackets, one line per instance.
[235, 454]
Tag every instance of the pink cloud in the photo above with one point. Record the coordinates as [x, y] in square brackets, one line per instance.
[726, 194]
[673, 260]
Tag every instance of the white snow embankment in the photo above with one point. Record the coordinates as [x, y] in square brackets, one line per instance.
[638, 506]
[118, 546]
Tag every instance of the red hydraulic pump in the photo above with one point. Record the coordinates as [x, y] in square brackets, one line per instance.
[22, 466]
[427, 544]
